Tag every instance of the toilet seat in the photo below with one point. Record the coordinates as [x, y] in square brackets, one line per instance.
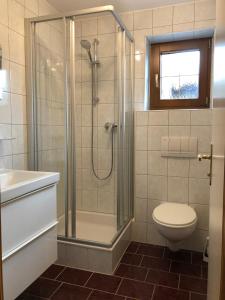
[174, 215]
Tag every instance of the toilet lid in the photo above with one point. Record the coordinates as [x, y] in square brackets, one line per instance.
[174, 214]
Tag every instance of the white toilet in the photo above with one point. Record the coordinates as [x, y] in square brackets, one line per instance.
[175, 222]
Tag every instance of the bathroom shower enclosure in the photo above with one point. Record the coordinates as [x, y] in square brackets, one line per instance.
[80, 119]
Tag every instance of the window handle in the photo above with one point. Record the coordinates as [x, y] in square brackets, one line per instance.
[156, 80]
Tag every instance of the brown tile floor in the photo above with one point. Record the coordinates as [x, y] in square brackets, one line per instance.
[146, 272]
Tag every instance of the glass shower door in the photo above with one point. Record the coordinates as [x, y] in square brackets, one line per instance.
[125, 147]
[49, 129]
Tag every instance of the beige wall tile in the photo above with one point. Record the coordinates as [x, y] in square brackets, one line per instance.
[183, 13]
[142, 19]
[162, 16]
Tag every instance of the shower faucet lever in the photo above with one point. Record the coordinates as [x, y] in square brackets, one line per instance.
[109, 125]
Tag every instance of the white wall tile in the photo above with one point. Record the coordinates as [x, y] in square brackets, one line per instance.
[141, 137]
[162, 30]
[89, 27]
[199, 169]
[188, 27]
[20, 162]
[205, 9]
[179, 117]
[178, 189]
[139, 231]
[141, 118]
[199, 191]
[162, 16]
[128, 19]
[178, 167]
[4, 33]
[157, 165]
[157, 187]
[141, 186]
[32, 5]
[140, 40]
[201, 117]
[203, 133]
[17, 78]
[179, 130]
[139, 90]
[158, 117]
[106, 46]
[16, 46]
[16, 16]
[141, 211]
[154, 136]
[141, 159]
[142, 19]
[19, 132]
[5, 108]
[139, 65]
[4, 14]
[183, 13]
[106, 24]
[208, 24]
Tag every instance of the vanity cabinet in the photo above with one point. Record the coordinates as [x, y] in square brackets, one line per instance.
[29, 235]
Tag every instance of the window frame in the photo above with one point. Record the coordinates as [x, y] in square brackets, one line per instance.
[204, 46]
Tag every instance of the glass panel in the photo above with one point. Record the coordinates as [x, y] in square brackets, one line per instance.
[125, 183]
[96, 97]
[179, 75]
[49, 47]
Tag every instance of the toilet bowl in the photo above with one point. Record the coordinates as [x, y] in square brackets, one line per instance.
[175, 222]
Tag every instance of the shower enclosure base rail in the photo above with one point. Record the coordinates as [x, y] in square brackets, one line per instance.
[94, 258]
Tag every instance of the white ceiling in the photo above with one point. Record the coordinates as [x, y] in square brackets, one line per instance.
[120, 5]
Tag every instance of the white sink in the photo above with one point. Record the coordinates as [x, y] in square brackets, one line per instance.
[15, 183]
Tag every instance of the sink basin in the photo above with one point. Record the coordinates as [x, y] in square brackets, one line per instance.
[15, 183]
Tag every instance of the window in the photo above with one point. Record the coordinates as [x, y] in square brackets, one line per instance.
[180, 74]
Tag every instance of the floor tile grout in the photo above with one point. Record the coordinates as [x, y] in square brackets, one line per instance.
[60, 272]
[56, 290]
[168, 262]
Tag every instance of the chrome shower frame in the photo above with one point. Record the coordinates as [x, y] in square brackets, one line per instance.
[70, 180]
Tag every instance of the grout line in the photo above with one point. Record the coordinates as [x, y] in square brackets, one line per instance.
[153, 292]
[170, 266]
[119, 285]
[90, 294]
[56, 290]
[60, 272]
[146, 275]
[179, 281]
[85, 284]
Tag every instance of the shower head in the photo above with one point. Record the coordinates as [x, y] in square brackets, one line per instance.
[87, 46]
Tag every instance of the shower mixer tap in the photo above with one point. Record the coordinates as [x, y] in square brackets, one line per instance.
[110, 126]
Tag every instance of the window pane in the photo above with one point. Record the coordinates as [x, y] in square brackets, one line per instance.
[189, 87]
[179, 75]
[168, 86]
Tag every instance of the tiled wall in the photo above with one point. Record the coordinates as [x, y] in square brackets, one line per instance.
[189, 17]
[92, 193]
[159, 179]
[13, 121]
[199, 14]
